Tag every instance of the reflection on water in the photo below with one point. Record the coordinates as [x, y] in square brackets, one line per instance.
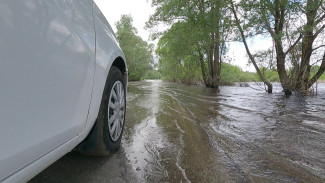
[178, 133]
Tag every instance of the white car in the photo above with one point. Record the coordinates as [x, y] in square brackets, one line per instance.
[63, 83]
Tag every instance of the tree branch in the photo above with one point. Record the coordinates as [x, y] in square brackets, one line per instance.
[318, 47]
[251, 57]
[320, 19]
[319, 31]
[318, 74]
[294, 44]
[267, 24]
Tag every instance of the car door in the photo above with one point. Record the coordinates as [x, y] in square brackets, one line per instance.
[47, 63]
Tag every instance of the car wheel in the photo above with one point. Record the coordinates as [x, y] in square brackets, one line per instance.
[105, 137]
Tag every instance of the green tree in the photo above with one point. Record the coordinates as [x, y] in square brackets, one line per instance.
[196, 38]
[231, 74]
[241, 28]
[297, 30]
[178, 60]
[138, 53]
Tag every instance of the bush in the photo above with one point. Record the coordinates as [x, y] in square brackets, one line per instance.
[152, 74]
[231, 74]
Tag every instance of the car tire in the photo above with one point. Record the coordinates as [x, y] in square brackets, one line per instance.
[106, 134]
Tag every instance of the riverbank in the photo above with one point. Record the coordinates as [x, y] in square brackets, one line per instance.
[256, 85]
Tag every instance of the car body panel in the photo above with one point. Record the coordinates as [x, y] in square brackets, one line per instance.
[47, 67]
[107, 51]
[28, 172]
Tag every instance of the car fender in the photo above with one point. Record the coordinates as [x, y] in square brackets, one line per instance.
[107, 51]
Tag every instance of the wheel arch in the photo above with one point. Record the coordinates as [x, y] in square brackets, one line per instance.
[101, 77]
[120, 64]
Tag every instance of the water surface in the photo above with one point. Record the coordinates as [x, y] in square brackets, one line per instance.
[178, 133]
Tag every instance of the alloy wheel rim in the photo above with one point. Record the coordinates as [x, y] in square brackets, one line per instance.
[116, 111]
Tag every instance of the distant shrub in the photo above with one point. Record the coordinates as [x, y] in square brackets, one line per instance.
[152, 74]
[231, 74]
[270, 75]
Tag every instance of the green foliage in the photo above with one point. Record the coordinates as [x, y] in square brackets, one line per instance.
[297, 31]
[195, 43]
[314, 70]
[231, 74]
[194, 47]
[271, 75]
[138, 53]
[322, 78]
[177, 58]
[152, 74]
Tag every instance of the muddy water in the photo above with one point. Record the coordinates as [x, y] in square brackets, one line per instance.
[178, 133]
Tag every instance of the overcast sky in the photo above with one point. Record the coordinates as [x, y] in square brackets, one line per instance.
[141, 10]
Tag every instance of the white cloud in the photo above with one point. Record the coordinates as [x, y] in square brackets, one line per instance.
[140, 10]
[238, 55]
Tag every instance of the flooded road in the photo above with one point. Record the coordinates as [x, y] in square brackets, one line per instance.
[178, 133]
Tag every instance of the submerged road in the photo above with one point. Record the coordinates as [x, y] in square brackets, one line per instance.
[178, 133]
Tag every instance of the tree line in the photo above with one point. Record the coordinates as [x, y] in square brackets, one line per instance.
[200, 30]
[138, 53]
[195, 47]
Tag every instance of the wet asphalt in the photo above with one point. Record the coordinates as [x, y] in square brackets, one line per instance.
[178, 133]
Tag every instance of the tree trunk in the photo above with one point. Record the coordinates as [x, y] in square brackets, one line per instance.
[280, 59]
[284, 78]
[318, 74]
[266, 82]
[217, 45]
[280, 54]
[203, 69]
[302, 83]
[299, 80]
